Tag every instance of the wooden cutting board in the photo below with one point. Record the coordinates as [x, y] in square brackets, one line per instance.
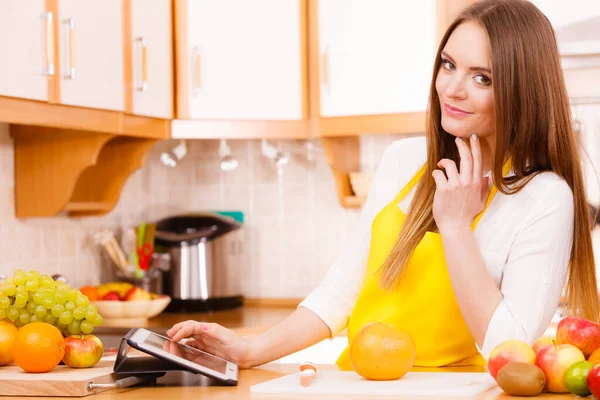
[61, 381]
[437, 384]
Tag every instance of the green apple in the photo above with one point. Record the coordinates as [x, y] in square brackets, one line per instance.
[576, 378]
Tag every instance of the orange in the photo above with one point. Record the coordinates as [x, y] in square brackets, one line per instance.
[91, 292]
[381, 351]
[8, 334]
[39, 347]
[595, 357]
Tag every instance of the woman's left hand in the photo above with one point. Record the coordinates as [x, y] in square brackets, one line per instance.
[460, 196]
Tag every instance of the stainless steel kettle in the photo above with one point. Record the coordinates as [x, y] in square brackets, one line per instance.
[207, 254]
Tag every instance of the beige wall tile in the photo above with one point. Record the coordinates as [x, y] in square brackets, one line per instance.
[236, 198]
[285, 257]
[207, 170]
[206, 197]
[296, 199]
[242, 175]
[266, 200]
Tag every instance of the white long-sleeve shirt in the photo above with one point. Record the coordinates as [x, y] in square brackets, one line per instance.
[525, 240]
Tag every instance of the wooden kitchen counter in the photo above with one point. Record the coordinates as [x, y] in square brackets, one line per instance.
[245, 319]
[188, 386]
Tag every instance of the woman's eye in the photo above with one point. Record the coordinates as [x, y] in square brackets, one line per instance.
[447, 64]
[482, 79]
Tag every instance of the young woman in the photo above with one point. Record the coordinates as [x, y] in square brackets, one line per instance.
[473, 243]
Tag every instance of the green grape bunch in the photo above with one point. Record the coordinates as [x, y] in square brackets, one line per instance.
[30, 297]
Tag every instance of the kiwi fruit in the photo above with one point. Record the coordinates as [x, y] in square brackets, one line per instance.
[521, 379]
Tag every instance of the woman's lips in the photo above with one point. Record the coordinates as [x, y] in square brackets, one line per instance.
[456, 112]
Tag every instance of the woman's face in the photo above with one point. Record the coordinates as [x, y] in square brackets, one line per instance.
[464, 84]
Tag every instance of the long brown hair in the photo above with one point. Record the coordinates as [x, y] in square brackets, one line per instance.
[533, 128]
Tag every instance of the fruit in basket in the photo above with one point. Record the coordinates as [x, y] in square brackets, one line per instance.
[382, 351]
[91, 292]
[82, 351]
[112, 296]
[136, 294]
[119, 287]
[509, 351]
[8, 335]
[554, 361]
[32, 297]
[39, 347]
[580, 332]
[521, 379]
[576, 378]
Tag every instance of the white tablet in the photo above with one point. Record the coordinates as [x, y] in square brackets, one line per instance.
[186, 356]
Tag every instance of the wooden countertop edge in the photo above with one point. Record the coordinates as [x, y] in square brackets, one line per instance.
[272, 302]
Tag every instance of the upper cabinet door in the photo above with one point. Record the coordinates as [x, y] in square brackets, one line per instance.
[152, 58]
[243, 60]
[91, 53]
[26, 46]
[375, 56]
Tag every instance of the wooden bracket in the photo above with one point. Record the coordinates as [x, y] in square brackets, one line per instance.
[343, 156]
[99, 186]
[79, 172]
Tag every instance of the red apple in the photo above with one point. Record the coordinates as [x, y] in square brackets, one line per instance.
[554, 361]
[580, 332]
[509, 351]
[542, 343]
[112, 296]
[136, 293]
[82, 351]
[593, 380]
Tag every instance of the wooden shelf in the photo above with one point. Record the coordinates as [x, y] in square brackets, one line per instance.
[78, 172]
[38, 113]
[408, 123]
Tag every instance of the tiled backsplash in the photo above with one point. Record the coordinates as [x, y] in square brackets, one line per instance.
[294, 227]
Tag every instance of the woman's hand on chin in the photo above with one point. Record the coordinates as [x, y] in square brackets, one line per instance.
[460, 195]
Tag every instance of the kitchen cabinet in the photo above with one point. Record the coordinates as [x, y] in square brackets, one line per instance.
[244, 60]
[241, 68]
[90, 42]
[27, 49]
[371, 70]
[370, 59]
[62, 90]
[150, 61]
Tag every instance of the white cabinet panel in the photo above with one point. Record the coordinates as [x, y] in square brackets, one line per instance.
[24, 47]
[152, 58]
[244, 59]
[91, 46]
[376, 56]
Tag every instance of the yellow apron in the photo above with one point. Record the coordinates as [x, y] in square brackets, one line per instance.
[423, 303]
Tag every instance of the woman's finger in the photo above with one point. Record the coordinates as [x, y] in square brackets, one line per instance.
[466, 161]
[451, 171]
[477, 159]
[217, 332]
[184, 330]
[440, 180]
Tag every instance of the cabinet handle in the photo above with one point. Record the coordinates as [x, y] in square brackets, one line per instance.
[197, 85]
[71, 41]
[144, 64]
[325, 71]
[48, 20]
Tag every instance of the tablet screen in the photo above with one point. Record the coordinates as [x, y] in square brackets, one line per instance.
[189, 353]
